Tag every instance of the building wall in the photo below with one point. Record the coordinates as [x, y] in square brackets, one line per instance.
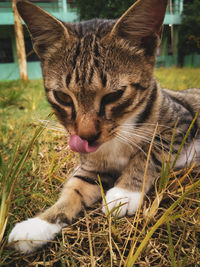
[9, 70]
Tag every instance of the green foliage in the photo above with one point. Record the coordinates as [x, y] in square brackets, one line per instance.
[14, 98]
[189, 35]
[89, 9]
[178, 78]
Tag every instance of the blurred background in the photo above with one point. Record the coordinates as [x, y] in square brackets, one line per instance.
[180, 45]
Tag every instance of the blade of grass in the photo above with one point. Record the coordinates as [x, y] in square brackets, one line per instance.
[90, 240]
[23, 159]
[3, 218]
[6, 170]
[14, 154]
[57, 166]
[10, 181]
[181, 180]
[142, 195]
[165, 171]
[161, 221]
[184, 139]
[103, 197]
[171, 247]
[108, 216]
[3, 168]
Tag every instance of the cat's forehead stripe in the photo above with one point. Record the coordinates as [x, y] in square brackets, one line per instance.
[68, 79]
[85, 61]
[91, 74]
[103, 78]
[96, 50]
[77, 75]
[76, 54]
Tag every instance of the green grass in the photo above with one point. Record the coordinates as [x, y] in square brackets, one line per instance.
[164, 233]
[178, 79]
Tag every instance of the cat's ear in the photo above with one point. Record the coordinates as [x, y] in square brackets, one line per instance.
[141, 20]
[47, 33]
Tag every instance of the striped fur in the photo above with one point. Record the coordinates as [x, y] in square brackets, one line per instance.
[99, 79]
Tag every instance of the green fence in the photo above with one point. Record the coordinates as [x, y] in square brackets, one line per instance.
[192, 60]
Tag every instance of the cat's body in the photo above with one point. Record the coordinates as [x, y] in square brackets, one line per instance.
[98, 77]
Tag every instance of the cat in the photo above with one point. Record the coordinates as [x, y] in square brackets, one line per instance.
[98, 77]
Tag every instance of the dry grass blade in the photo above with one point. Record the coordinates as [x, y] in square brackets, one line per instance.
[142, 196]
[109, 219]
[89, 239]
[184, 139]
[161, 221]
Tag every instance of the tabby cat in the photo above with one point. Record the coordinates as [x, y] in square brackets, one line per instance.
[98, 77]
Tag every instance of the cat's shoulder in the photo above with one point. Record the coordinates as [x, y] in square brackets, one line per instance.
[188, 97]
[190, 92]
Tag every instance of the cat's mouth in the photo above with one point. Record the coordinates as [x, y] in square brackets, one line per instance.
[82, 146]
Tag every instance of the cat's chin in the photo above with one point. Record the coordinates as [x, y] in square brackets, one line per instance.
[77, 144]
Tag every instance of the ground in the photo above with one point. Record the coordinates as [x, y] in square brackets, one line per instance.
[36, 160]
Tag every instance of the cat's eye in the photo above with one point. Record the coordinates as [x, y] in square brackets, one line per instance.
[109, 99]
[112, 97]
[63, 98]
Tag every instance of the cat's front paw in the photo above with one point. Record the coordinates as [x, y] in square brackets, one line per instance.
[121, 201]
[29, 235]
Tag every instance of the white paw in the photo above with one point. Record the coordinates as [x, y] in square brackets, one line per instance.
[122, 201]
[31, 234]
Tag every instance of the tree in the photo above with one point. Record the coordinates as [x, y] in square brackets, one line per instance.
[21, 53]
[109, 9]
[189, 34]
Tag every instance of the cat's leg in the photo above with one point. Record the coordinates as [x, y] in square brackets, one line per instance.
[124, 198]
[29, 235]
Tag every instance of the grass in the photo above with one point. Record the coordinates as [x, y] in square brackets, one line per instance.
[35, 163]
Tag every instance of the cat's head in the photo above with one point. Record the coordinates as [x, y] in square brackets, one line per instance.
[97, 73]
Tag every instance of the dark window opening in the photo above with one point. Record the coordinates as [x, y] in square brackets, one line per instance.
[71, 3]
[6, 53]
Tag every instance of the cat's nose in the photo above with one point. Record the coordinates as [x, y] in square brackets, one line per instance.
[91, 138]
[88, 128]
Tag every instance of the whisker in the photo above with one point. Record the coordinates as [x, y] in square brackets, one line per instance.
[134, 125]
[126, 140]
[143, 134]
[146, 139]
[131, 143]
[52, 125]
[48, 121]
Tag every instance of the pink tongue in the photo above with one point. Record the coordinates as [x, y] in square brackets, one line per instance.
[79, 145]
